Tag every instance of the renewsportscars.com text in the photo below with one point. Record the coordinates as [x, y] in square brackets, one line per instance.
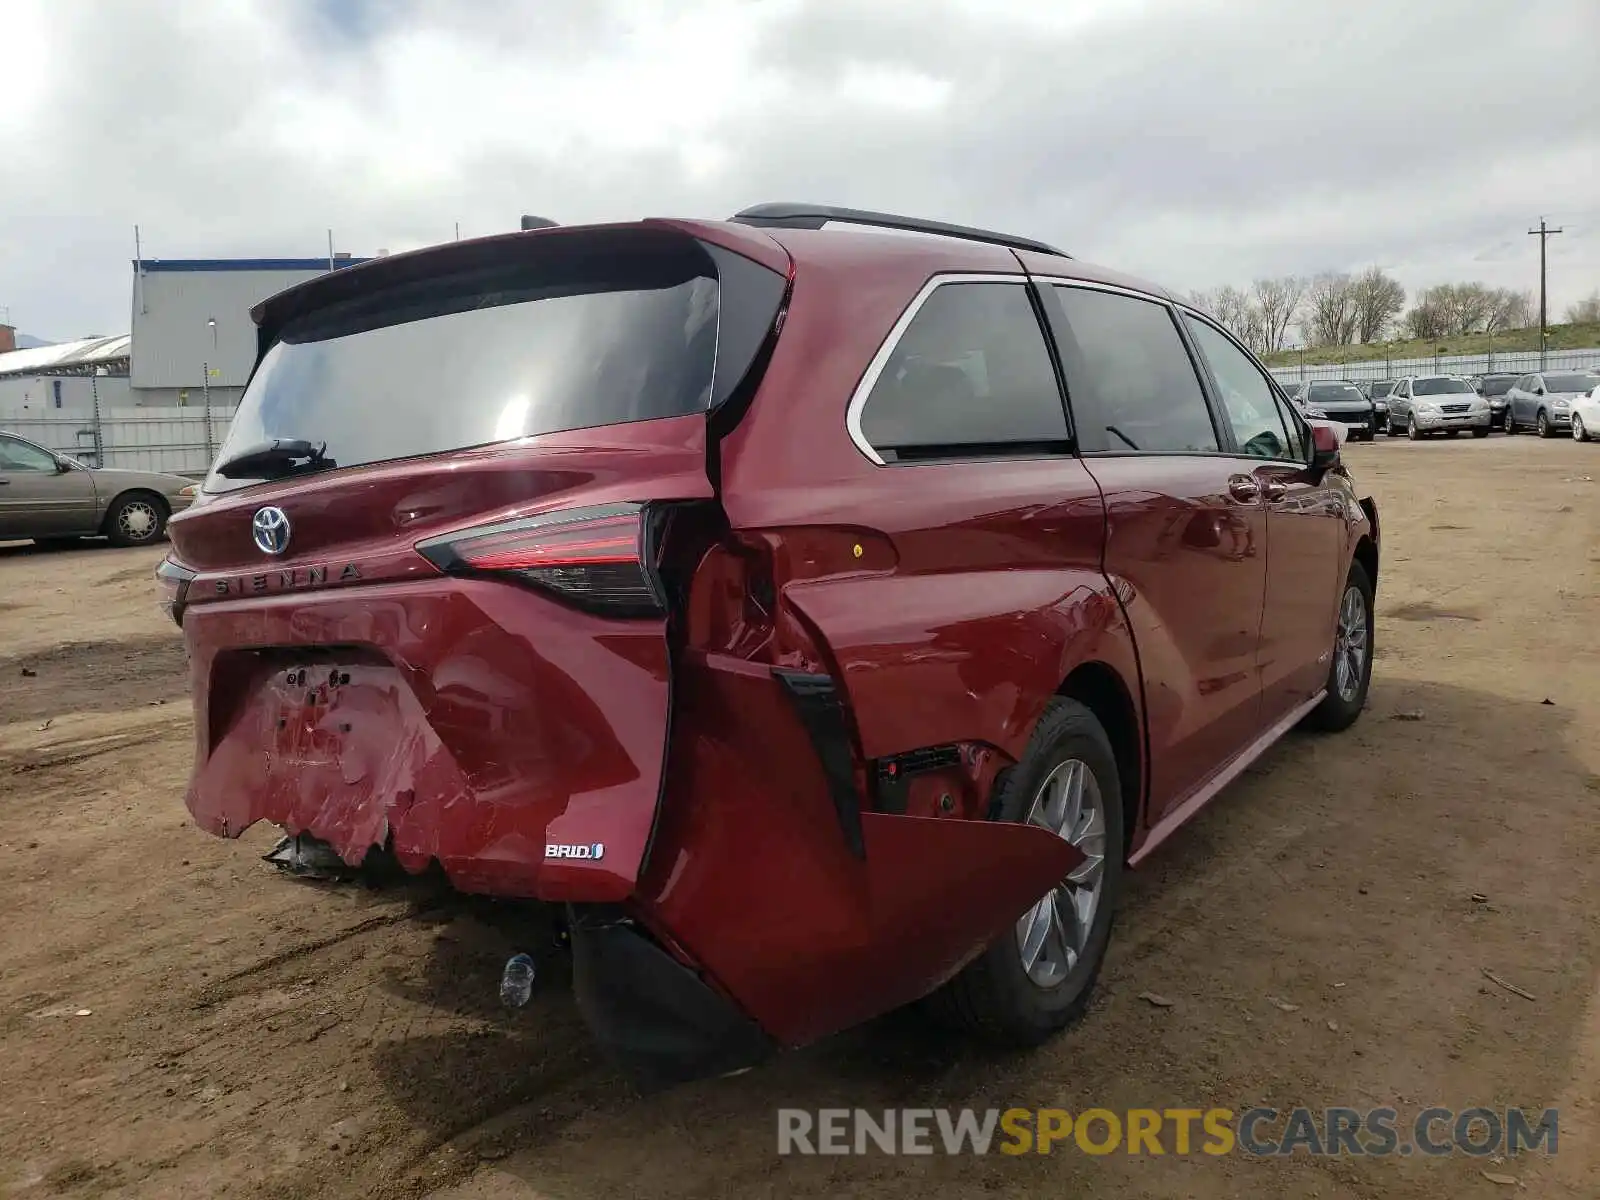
[1261, 1132]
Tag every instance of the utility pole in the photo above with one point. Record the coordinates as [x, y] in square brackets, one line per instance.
[1544, 233]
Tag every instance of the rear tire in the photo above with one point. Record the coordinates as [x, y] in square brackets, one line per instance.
[1389, 427]
[995, 997]
[136, 519]
[1343, 704]
[1480, 433]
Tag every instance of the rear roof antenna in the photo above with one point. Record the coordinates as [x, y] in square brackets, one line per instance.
[529, 222]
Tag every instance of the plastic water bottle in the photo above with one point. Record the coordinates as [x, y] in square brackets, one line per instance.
[516, 982]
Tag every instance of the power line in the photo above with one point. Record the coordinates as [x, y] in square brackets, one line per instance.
[1544, 233]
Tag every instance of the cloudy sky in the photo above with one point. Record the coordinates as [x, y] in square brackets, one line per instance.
[1195, 142]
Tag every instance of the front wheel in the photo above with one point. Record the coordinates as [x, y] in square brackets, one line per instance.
[1412, 432]
[1579, 433]
[1038, 977]
[1542, 424]
[1350, 673]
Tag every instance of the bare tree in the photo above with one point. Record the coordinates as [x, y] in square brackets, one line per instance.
[1276, 303]
[1512, 310]
[1587, 309]
[1233, 309]
[1329, 316]
[1378, 300]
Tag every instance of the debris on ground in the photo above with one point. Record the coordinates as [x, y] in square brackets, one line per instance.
[1158, 1001]
[309, 857]
[1548, 701]
[1506, 1180]
[1283, 1005]
[1510, 987]
[49, 721]
[1479, 898]
[1410, 715]
[29, 673]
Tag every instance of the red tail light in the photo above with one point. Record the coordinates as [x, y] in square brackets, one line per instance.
[598, 558]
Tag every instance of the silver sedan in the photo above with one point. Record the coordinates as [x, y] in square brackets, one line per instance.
[47, 496]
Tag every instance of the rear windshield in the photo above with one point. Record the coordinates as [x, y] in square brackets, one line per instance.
[1440, 387]
[443, 366]
[1570, 383]
[1497, 385]
[1335, 393]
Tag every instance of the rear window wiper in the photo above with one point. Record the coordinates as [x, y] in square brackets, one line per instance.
[281, 456]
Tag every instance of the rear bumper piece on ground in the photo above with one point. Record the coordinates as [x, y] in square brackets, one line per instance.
[655, 1018]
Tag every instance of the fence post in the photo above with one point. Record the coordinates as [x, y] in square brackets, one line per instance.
[99, 441]
[205, 394]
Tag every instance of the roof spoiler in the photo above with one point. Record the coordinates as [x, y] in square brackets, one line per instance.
[786, 215]
[529, 222]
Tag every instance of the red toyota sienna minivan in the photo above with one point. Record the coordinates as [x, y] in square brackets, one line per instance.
[825, 614]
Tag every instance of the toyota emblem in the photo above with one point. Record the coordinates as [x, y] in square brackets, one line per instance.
[270, 528]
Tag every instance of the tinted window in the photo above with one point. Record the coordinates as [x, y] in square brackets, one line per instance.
[972, 370]
[1258, 425]
[1571, 383]
[445, 365]
[1130, 379]
[1439, 386]
[17, 455]
[1335, 393]
[1497, 385]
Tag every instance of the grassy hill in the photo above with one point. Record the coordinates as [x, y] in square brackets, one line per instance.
[1582, 336]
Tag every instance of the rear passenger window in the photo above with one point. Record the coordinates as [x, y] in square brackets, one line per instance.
[1130, 380]
[1252, 408]
[971, 374]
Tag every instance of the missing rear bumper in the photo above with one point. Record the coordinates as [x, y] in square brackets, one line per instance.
[656, 1019]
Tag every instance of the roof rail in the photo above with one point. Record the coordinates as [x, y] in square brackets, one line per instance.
[785, 215]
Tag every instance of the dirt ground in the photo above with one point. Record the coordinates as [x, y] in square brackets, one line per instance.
[178, 1020]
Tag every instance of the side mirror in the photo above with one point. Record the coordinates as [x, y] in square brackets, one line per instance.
[62, 466]
[1324, 448]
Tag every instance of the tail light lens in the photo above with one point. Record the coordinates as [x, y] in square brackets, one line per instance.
[600, 559]
[173, 580]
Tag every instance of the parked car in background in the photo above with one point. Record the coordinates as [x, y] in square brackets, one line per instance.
[1342, 401]
[1543, 400]
[1295, 390]
[680, 639]
[50, 497]
[1586, 414]
[1493, 388]
[1422, 405]
[1378, 392]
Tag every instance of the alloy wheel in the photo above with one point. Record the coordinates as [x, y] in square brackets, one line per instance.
[1054, 934]
[1579, 434]
[1350, 644]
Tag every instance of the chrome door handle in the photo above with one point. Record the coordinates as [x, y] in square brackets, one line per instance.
[1274, 490]
[1244, 489]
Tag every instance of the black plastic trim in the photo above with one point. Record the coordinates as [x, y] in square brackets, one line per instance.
[655, 1018]
[816, 700]
[787, 215]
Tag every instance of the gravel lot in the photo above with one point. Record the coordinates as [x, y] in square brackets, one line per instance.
[252, 1036]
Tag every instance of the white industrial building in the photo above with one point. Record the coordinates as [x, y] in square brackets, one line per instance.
[141, 399]
[192, 316]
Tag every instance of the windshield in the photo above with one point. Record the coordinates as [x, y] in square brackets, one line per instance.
[1382, 388]
[441, 367]
[1497, 385]
[1335, 393]
[1441, 387]
[1571, 383]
